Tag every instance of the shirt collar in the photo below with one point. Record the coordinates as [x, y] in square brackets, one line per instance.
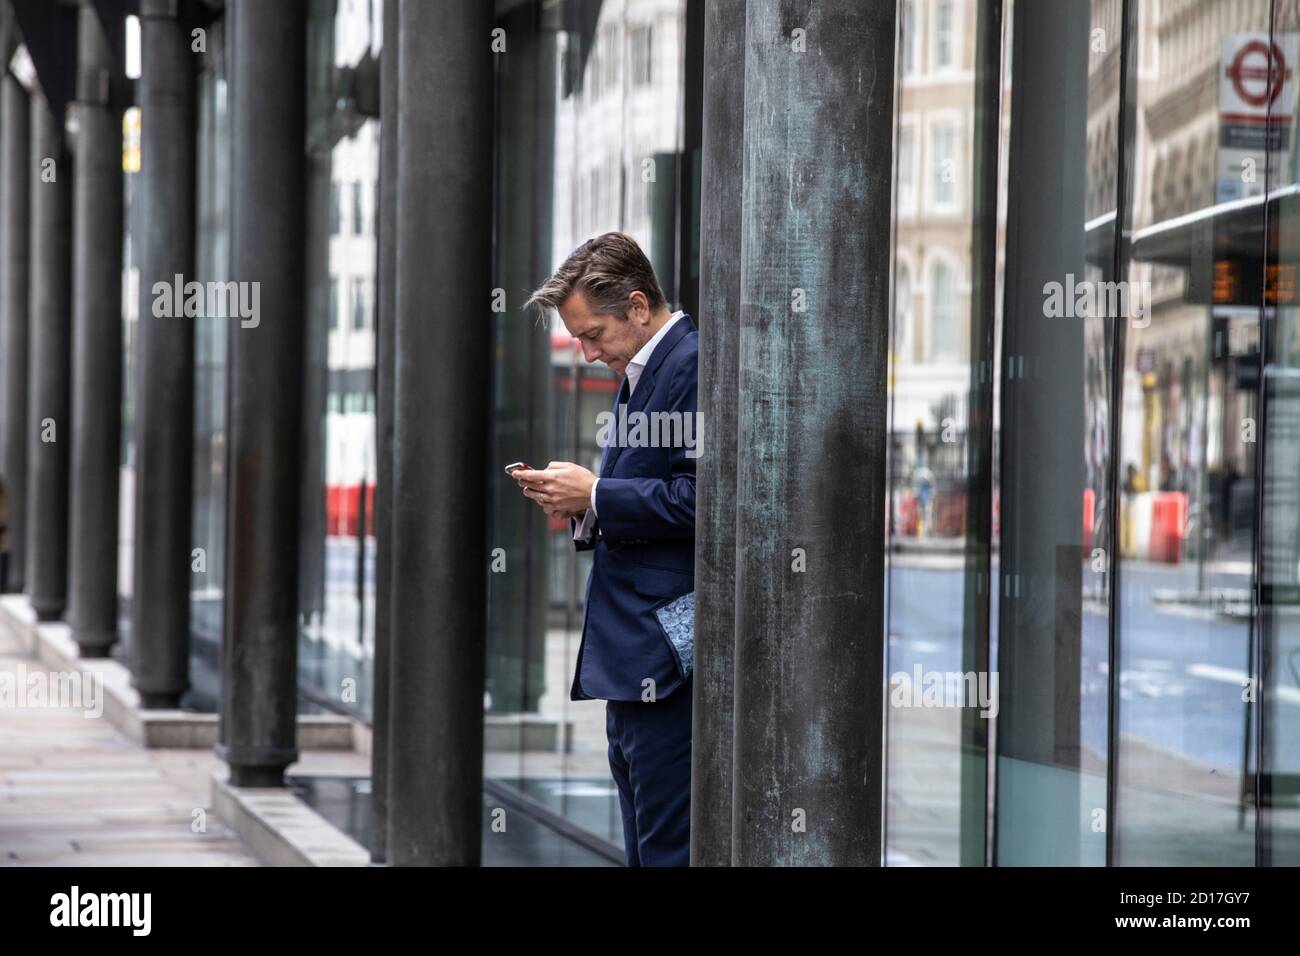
[642, 357]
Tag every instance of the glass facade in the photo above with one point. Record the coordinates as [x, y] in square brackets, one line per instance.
[1094, 406]
[212, 251]
[336, 596]
[1189, 396]
[1102, 191]
[591, 138]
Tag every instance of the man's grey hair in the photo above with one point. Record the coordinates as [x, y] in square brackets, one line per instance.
[606, 270]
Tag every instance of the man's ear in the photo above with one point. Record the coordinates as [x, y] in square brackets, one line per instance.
[637, 300]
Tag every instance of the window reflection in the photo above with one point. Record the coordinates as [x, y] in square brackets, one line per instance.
[212, 258]
[336, 576]
[1188, 461]
[602, 104]
[932, 530]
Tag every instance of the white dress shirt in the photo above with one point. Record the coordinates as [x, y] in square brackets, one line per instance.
[634, 369]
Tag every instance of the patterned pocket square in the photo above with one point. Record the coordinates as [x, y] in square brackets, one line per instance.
[678, 620]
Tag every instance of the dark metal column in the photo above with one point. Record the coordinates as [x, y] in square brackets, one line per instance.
[445, 120]
[810, 483]
[164, 423]
[48, 427]
[15, 208]
[96, 346]
[721, 182]
[385, 365]
[268, 234]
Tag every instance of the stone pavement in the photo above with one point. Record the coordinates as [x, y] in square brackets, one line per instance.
[76, 792]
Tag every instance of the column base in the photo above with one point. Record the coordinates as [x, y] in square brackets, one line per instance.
[48, 610]
[94, 644]
[160, 700]
[259, 777]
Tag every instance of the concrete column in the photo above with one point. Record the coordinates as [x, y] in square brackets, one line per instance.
[721, 181]
[268, 234]
[96, 346]
[164, 406]
[810, 483]
[49, 430]
[385, 366]
[15, 209]
[445, 123]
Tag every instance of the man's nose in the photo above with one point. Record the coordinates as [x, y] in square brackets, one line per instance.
[589, 353]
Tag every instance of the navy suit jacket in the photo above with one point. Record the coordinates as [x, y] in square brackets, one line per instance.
[644, 536]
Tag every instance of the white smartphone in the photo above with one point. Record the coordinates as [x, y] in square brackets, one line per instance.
[515, 466]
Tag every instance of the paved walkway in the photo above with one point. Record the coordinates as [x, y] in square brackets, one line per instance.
[76, 792]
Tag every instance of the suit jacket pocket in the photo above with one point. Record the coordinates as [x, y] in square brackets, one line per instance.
[677, 618]
[658, 582]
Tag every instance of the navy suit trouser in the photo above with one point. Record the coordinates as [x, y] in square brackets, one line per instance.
[650, 758]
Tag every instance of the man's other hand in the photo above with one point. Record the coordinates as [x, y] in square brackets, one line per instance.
[562, 488]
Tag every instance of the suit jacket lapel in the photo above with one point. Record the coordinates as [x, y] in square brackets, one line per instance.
[606, 458]
[644, 386]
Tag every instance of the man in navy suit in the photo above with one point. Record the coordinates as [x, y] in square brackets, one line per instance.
[638, 517]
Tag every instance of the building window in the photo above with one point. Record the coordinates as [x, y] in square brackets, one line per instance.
[945, 39]
[360, 310]
[334, 304]
[358, 219]
[637, 192]
[943, 167]
[908, 39]
[603, 64]
[612, 62]
[943, 312]
[902, 314]
[336, 217]
[592, 85]
[906, 169]
[641, 54]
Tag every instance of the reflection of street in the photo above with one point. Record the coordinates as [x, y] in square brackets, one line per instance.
[1182, 719]
[574, 783]
[341, 563]
[1183, 665]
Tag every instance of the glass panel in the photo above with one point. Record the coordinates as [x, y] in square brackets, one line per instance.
[940, 410]
[1278, 723]
[212, 255]
[132, 210]
[1055, 530]
[1188, 453]
[336, 571]
[590, 139]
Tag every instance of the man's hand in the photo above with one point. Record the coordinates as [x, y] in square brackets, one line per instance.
[562, 488]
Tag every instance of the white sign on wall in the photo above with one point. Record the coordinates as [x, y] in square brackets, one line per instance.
[1257, 98]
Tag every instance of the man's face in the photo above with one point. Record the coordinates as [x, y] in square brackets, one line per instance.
[607, 338]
